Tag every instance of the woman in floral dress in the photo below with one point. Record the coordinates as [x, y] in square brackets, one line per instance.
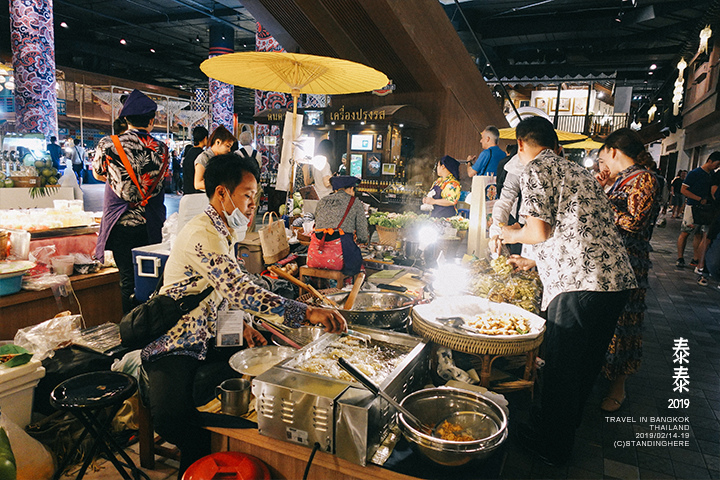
[632, 196]
[445, 192]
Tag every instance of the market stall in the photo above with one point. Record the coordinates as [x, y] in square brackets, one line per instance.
[62, 241]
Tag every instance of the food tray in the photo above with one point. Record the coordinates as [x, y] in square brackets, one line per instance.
[424, 324]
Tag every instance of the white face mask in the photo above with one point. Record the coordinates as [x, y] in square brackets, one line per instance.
[237, 221]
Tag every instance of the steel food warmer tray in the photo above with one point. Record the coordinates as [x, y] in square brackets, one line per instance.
[341, 416]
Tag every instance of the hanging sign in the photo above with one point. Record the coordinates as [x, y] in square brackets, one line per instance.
[385, 90]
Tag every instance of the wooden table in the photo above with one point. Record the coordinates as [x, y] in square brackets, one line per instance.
[287, 460]
[98, 294]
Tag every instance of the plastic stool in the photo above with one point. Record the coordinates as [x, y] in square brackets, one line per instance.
[86, 396]
[227, 466]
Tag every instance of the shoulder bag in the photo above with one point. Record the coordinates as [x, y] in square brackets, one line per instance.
[273, 240]
[148, 321]
[326, 246]
[704, 214]
[147, 194]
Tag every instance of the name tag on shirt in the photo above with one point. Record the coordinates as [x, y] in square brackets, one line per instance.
[230, 324]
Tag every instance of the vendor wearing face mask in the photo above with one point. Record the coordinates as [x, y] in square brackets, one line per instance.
[204, 255]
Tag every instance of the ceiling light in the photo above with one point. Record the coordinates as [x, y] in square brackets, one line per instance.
[650, 73]
[10, 85]
[64, 25]
[362, 123]
[123, 41]
[223, 37]
[619, 17]
[705, 35]
[152, 50]
[653, 66]
[197, 38]
[401, 125]
[659, 99]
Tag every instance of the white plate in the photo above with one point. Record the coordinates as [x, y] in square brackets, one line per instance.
[469, 306]
[15, 268]
[257, 360]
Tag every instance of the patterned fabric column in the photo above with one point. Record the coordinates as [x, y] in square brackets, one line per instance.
[264, 42]
[32, 38]
[222, 95]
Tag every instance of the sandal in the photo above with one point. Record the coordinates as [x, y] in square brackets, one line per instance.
[610, 404]
[702, 281]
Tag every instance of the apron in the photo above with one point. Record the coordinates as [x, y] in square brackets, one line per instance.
[442, 211]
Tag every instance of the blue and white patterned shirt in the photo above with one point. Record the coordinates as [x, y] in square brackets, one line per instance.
[204, 255]
[584, 251]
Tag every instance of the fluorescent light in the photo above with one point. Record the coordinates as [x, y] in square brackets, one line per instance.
[653, 66]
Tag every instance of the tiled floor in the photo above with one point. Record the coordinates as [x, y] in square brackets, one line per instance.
[677, 307]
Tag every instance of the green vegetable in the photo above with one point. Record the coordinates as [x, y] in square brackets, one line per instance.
[396, 220]
[8, 470]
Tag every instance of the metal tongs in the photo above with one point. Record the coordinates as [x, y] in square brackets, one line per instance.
[328, 303]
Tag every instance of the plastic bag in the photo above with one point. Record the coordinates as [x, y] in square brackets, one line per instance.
[32, 459]
[130, 363]
[43, 339]
[43, 254]
[43, 281]
[170, 229]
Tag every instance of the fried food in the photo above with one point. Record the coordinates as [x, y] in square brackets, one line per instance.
[500, 323]
[376, 361]
[497, 282]
[452, 432]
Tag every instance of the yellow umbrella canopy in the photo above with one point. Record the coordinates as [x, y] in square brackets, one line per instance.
[293, 73]
[587, 144]
[509, 134]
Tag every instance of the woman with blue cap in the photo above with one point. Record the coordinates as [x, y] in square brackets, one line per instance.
[445, 192]
[339, 218]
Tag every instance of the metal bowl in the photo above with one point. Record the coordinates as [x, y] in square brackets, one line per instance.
[376, 309]
[433, 405]
[257, 360]
[301, 335]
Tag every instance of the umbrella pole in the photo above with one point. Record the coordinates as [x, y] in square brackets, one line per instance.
[295, 95]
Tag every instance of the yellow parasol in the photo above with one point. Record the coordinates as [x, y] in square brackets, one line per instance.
[509, 134]
[587, 144]
[293, 73]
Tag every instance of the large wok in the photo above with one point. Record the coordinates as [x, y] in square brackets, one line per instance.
[376, 309]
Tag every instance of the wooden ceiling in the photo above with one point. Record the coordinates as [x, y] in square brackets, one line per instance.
[167, 39]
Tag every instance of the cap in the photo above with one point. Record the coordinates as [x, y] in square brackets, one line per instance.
[138, 103]
[452, 165]
[343, 181]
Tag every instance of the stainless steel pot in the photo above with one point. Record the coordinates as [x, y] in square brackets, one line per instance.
[376, 309]
[433, 405]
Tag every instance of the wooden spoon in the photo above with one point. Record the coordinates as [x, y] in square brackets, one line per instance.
[359, 279]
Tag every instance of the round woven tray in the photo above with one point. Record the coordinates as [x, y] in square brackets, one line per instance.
[469, 344]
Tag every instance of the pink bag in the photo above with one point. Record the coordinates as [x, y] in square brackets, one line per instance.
[325, 253]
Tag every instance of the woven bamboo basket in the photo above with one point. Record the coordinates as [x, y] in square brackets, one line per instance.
[387, 236]
[469, 344]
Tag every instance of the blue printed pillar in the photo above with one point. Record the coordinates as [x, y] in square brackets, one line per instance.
[32, 38]
[222, 95]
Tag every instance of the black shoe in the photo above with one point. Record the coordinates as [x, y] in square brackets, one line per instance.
[680, 263]
[530, 440]
[694, 262]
